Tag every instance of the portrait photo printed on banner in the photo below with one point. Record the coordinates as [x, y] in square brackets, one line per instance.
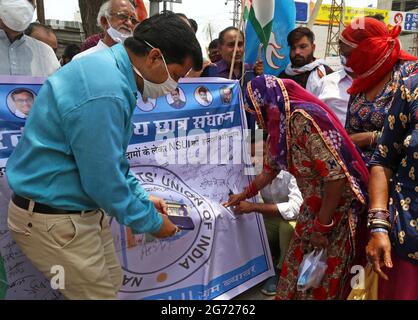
[203, 96]
[146, 104]
[20, 101]
[226, 94]
[176, 99]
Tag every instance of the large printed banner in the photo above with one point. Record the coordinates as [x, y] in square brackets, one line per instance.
[324, 14]
[187, 148]
[407, 20]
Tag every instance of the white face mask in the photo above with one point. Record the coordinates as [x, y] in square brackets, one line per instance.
[155, 90]
[16, 14]
[116, 35]
[344, 64]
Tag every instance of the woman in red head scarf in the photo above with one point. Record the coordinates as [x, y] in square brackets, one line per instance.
[379, 64]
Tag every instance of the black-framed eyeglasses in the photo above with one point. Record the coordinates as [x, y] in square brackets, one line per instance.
[124, 16]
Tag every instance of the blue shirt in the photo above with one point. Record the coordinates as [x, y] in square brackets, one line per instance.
[72, 152]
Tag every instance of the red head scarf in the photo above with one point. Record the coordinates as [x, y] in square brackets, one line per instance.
[376, 51]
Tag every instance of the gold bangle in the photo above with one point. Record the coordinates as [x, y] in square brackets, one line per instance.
[379, 222]
[378, 209]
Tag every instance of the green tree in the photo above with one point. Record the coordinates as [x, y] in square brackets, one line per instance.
[89, 10]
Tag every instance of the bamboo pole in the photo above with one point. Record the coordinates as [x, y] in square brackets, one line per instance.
[314, 14]
[40, 11]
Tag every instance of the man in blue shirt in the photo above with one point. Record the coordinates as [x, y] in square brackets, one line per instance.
[70, 165]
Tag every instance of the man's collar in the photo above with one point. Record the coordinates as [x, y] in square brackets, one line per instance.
[124, 65]
[3, 35]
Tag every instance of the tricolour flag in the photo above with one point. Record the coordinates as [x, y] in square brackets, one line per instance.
[141, 11]
[268, 24]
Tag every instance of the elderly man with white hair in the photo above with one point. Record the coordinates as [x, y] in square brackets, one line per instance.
[118, 20]
[19, 53]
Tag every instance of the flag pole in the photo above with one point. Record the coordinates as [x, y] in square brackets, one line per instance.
[241, 20]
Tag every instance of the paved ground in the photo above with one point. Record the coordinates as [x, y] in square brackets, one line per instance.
[253, 294]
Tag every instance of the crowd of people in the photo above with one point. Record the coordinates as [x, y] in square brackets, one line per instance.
[339, 147]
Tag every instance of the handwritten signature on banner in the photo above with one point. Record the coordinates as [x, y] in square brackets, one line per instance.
[177, 145]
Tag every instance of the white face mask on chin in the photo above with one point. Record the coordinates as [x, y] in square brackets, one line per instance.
[344, 64]
[155, 90]
[16, 14]
[116, 35]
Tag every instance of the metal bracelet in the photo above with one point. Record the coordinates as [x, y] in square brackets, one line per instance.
[375, 230]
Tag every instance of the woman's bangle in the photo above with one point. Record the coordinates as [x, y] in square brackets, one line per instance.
[377, 209]
[375, 230]
[379, 223]
[379, 213]
[322, 228]
[251, 190]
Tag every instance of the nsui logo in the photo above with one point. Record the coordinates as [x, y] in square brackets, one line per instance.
[151, 263]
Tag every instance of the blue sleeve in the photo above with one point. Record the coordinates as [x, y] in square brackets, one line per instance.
[135, 186]
[388, 152]
[98, 132]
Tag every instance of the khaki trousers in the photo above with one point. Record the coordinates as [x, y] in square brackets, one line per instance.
[279, 234]
[79, 244]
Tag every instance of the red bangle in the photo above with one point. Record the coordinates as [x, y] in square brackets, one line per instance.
[321, 228]
[251, 190]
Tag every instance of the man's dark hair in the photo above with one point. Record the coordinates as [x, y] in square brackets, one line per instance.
[177, 90]
[377, 16]
[70, 51]
[214, 44]
[169, 33]
[19, 91]
[299, 33]
[34, 25]
[229, 89]
[182, 15]
[202, 89]
[222, 34]
[193, 23]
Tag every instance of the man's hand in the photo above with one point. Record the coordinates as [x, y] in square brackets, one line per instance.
[235, 199]
[168, 229]
[378, 252]
[259, 68]
[319, 241]
[244, 207]
[159, 204]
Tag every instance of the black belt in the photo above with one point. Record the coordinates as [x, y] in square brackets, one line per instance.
[23, 203]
